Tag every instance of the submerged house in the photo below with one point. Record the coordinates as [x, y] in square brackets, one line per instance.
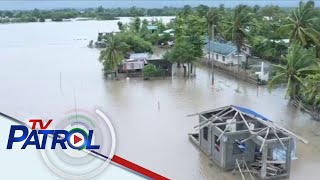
[136, 62]
[233, 134]
[132, 65]
[139, 56]
[152, 28]
[226, 53]
[168, 31]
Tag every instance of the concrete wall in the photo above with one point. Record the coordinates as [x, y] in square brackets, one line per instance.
[229, 152]
[234, 58]
[205, 145]
[246, 49]
[229, 59]
[232, 151]
[219, 57]
[217, 154]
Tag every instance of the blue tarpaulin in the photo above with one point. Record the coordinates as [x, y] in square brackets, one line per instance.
[278, 152]
[251, 112]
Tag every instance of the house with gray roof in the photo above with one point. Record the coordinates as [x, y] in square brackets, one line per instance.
[136, 62]
[139, 56]
[225, 53]
[152, 28]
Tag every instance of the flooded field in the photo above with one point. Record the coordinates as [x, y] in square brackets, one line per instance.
[43, 66]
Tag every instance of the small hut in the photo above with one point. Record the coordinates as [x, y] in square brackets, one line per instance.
[234, 135]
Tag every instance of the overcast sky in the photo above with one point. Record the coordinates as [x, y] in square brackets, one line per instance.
[51, 4]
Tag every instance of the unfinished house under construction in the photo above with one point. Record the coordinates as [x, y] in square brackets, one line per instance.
[239, 139]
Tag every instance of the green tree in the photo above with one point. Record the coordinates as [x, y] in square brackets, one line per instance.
[317, 28]
[165, 38]
[202, 10]
[179, 28]
[160, 25]
[256, 8]
[186, 10]
[36, 13]
[144, 32]
[182, 52]
[298, 64]
[135, 42]
[41, 19]
[120, 25]
[221, 7]
[135, 12]
[100, 9]
[271, 50]
[113, 54]
[135, 25]
[189, 32]
[214, 17]
[153, 38]
[311, 94]
[194, 33]
[270, 10]
[299, 26]
[236, 26]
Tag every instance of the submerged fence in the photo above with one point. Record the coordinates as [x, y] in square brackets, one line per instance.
[233, 71]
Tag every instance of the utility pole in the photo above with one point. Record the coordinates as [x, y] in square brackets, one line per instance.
[209, 43]
[212, 78]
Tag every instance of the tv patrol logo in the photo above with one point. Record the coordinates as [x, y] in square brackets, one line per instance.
[76, 138]
[72, 146]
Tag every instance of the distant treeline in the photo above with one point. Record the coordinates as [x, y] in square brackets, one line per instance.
[99, 13]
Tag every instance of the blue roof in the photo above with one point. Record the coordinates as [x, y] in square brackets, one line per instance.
[152, 27]
[251, 112]
[230, 43]
[220, 48]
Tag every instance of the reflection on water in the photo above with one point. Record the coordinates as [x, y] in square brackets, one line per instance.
[34, 55]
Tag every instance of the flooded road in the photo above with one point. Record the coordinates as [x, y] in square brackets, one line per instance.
[43, 66]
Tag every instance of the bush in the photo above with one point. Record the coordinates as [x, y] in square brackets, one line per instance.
[165, 38]
[152, 71]
[136, 43]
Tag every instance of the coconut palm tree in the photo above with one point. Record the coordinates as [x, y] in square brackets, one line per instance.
[311, 94]
[300, 25]
[213, 17]
[213, 20]
[317, 28]
[236, 27]
[113, 54]
[298, 64]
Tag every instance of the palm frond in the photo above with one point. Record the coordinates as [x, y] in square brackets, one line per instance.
[277, 79]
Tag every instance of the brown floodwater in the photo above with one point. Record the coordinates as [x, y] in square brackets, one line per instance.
[35, 56]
